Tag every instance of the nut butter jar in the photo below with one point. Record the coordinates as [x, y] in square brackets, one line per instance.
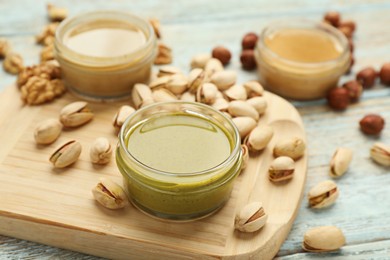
[104, 53]
[301, 59]
[178, 159]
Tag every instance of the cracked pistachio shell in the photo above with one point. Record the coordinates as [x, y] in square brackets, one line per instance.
[212, 66]
[251, 218]
[200, 60]
[253, 89]
[380, 153]
[163, 95]
[323, 194]
[177, 84]
[206, 93]
[195, 79]
[259, 103]
[47, 131]
[109, 194]
[76, 114]
[241, 108]
[236, 92]
[168, 71]
[292, 147]
[340, 162]
[244, 125]
[224, 79]
[221, 104]
[322, 239]
[141, 95]
[281, 169]
[259, 138]
[187, 96]
[101, 151]
[245, 156]
[66, 154]
[123, 113]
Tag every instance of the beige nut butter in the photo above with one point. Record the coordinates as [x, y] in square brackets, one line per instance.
[103, 54]
[301, 60]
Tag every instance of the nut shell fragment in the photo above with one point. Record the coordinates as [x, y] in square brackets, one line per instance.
[251, 218]
[66, 154]
[323, 194]
[322, 239]
[340, 162]
[245, 156]
[101, 151]
[380, 153]
[109, 194]
[47, 131]
[76, 114]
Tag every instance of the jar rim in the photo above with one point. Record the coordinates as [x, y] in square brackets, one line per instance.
[217, 168]
[109, 15]
[303, 24]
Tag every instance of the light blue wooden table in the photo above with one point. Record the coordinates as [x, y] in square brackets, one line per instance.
[191, 27]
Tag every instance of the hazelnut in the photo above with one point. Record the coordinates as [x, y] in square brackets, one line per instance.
[247, 59]
[346, 30]
[355, 90]
[222, 54]
[384, 74]
[367, 77]
[348, 23]
[249, 41]
[351, 45]
[332, 18]
[338, 98]
[372, 124]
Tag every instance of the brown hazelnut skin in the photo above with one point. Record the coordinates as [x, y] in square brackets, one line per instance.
[351, 45]
[384, 74]
[346, 31]
[348, 23]
[338, 98]
[222, 54]
[372, 124]
[247, 59]
[333, 18]
[355, 90]
[367, 77]
[249, 41]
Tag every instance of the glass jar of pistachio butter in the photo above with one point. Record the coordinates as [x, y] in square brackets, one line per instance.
[179, 159]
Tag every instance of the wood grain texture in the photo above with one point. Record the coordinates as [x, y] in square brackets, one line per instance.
[59, 207]
[190, 27]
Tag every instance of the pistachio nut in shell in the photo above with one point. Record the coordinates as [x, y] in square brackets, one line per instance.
[168, 71]
[195, 79]
[177, 84]
[253, 89]
[66, 154]
[224, 79]
[380, 153]
[207, 93]
[236, 92]
[188, 96]
[340, 162]
[221, 104]
[123, 113]
[241, 108]
[47, 131]
[322, 239]
[259, 103]
[109, 194]
[245, 156]
[76, 114]
[281, 169]
[293, 147]
[163, 95]
[259, 138]
[141, 95]
[212, 66]
[200, 60]
[251, 218]
[244, 125]
[101, 151]
[323, 194]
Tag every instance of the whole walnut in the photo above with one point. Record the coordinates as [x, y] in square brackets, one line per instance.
[38, 90]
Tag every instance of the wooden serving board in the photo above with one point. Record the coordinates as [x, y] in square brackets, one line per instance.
[56, 206]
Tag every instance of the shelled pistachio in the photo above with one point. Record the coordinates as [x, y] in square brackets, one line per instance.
[251, 218]
[76, 114]
[323, 194]
[109, 194]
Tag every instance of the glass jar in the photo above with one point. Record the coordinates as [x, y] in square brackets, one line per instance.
[108, 74]
[189, 187]
[302, 78]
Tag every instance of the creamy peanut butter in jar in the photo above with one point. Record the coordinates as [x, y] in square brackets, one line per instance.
[103, 54]
[301, 59]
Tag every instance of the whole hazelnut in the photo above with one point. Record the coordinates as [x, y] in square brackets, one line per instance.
[333, 18]
[247, 59]
[384, 74]
[355, 90]
[338, 98]
[348, 23]
[367, 77]
[222, 54]
[372, 124]
[346, 31]
[249, 41]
